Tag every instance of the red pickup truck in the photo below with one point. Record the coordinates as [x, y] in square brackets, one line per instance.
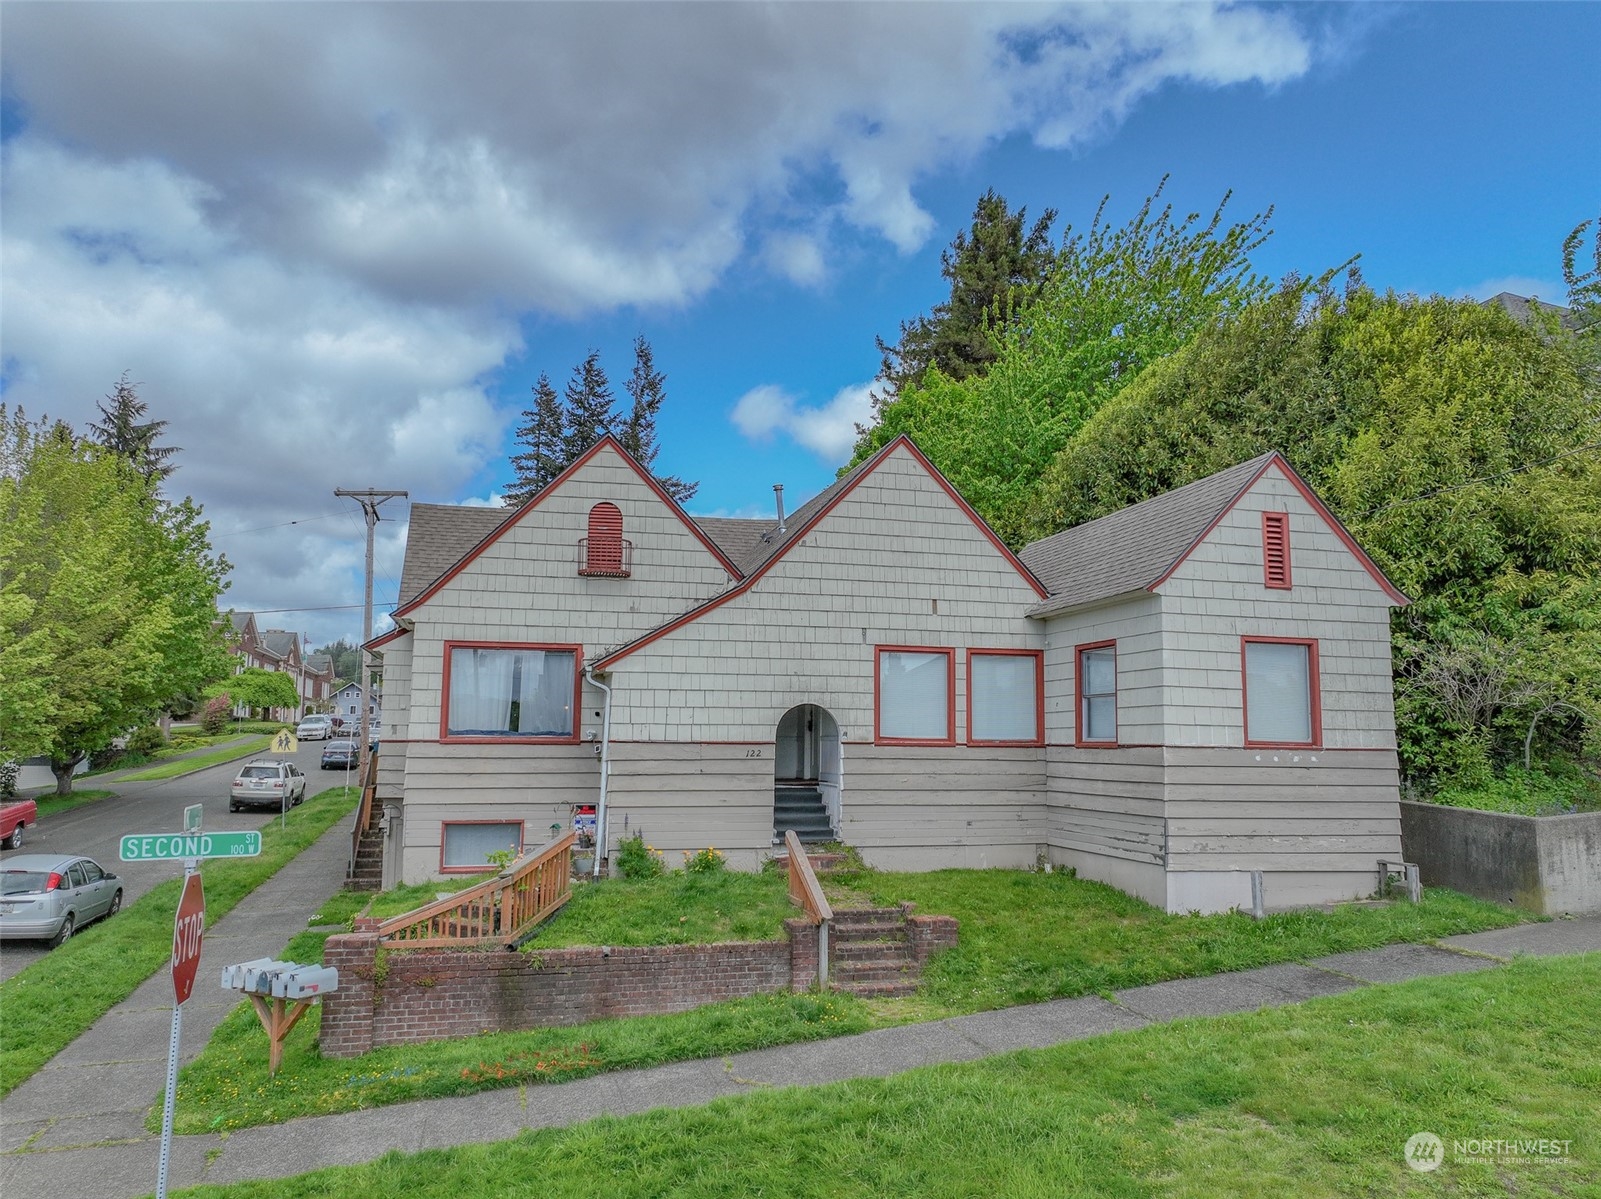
[14, 817]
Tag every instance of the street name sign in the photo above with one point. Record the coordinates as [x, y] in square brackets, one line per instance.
[166, 847]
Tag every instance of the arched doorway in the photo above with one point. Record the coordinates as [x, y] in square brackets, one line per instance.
[808, 775]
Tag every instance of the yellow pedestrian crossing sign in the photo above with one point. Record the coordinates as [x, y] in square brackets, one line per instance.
[284, 742]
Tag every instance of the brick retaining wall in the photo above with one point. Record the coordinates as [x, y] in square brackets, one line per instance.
[400, 996]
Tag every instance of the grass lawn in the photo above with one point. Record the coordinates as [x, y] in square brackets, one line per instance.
[1317, 1099]
[46, 1006]
[173, 767]
[1024, 937]
[51, 805]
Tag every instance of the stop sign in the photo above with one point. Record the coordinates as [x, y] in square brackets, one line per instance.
[186, 930]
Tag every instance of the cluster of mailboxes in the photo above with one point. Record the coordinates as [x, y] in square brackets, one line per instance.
[280, 980]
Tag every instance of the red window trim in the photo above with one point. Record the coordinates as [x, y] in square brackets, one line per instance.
[950, 693]
[577, 652]
[1079, 740]
[1314, 687]
[522, 833]
[1039, 692]
[1279, 523]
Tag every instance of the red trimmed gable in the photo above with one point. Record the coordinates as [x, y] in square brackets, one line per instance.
[606, 442]
[797, 533]
[1276, 460]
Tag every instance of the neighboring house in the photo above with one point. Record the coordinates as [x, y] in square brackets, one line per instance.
[347, 703]
[1165, 699]
[278, 649]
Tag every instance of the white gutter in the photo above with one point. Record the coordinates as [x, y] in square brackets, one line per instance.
[605, 770]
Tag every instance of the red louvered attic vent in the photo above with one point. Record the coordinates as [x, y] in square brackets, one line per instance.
[1276, 550]
[604, 552]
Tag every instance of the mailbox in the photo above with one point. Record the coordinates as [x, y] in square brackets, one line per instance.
[234, 977]
[305, 982]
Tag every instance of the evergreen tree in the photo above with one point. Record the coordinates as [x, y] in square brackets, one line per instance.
[543, 437]
[124, 435]
[994, 272]
[638, 433]
[588, 411]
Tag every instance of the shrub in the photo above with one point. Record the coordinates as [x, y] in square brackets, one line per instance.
[214, 716]
[9, 769]
[146, 740]
[707, 861]
[635, 859]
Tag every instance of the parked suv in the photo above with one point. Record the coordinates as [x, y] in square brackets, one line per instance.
[267, 784]
[315, 728]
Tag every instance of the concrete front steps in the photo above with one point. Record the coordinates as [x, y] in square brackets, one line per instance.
[801, 808]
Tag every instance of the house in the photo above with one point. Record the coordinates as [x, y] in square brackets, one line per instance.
[279, 649]
[1166, 699]
[347, 704]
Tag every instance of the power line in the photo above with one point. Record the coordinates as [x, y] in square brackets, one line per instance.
[323, 608]
[1516, 470]
[304, 520]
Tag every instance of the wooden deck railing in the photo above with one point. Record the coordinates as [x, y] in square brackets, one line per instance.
[369, 787]
[807, 892]
[497, 911]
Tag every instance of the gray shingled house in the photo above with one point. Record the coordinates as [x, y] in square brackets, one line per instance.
[1166, 699]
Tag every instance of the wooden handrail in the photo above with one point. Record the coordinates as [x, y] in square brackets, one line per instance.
[499, 910]
[804, 889]
[369, 787]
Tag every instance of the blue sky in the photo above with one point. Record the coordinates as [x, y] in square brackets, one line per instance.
[336, 246]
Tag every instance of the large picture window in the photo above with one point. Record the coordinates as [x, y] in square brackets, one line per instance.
[519, 692]
[914, 696]
[467, 846]
[1281, 692]
[1003, 698]
[1096, 685]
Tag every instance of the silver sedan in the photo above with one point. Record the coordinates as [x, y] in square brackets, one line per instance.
[47, 897]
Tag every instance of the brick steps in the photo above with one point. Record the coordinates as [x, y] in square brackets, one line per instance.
[871, 954]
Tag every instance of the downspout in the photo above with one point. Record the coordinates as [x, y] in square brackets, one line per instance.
[605, 769]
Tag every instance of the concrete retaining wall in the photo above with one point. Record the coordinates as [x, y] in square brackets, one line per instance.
[1547, 864]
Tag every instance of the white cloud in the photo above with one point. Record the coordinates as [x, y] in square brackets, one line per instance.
[311, 231]
[828, 431]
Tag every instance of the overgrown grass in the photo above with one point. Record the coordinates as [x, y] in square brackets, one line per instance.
[1027, 937]
[174, 767]
[1544, 791]
[227, 1086]
[46, 1006]
[1317, 1099]
[52, 805]
[679, 908]
[1024, 937]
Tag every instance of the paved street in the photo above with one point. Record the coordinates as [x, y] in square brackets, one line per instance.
[95, 829]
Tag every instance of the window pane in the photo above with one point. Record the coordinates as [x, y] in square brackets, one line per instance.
[511, 692]
[1097, 686]
[1100, 718]
[913, 696]
[1278, 694]
[471, 844]
[1002, 695]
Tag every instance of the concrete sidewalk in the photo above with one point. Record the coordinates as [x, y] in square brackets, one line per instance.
[80, 1121]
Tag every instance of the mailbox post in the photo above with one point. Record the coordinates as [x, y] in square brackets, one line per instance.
[280, 992]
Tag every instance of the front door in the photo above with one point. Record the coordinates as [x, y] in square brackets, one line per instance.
[796, 751]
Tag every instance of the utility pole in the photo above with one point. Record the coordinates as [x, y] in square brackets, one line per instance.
[369, 501]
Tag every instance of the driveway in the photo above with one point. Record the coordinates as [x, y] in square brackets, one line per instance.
[96, 829]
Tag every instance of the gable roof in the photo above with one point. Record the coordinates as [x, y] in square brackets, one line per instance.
[1523, 308]
[497, 528]
[1137, 548]
[773, 546]
[434, 541]
[280, 644]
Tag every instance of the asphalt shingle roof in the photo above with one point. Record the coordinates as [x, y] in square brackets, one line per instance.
[439, 536]
[1132, 548]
